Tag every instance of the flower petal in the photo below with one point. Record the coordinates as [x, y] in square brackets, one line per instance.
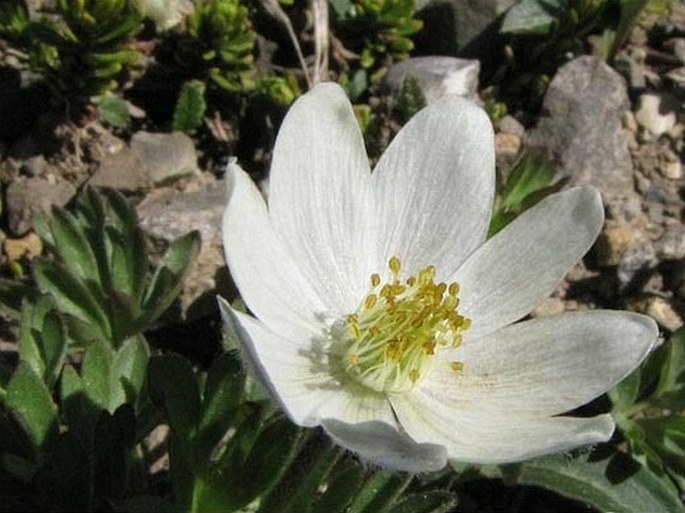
[269, 282]
[545, 366]
[435, 186]
[475, 438]
[320, 198]
[520, 266]
[298, 376]
[382, 444]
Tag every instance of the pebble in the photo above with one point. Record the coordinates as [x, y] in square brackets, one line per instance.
[29, 246]
[661, 310]
[655, 113]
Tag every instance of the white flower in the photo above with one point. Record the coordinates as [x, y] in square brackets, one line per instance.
[383, 314]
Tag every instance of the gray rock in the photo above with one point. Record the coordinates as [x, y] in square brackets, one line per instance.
[671, 245]
[656, 112]
[123, 170]
[166, 214]
[26, 198]
[166, 157]
[437, 76]
[581, 125]
[471, 17]
[510, 125]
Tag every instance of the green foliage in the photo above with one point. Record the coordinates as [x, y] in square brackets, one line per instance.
[190, 107]
[100, 277]
[648, 406]
[612, 482]
[113, 110]
[378, 31]
[529, 182]
[218, 45]
[81, 49]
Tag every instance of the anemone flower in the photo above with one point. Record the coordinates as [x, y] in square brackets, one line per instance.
[384, 315]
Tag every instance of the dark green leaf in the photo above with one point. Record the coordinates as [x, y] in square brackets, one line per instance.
[129, 370]
[665, 437]
[190, 107]
[340, 491]
[380, 492]
[173, 387]
[147, 504]
[434, 501]
[670, 390]
[299, 488]
[168, 278]
[268, 460]
[72, 296]
[617, 483]
[53, 346]
[12, 293]
[128, 255]
[222, 397]
[29, 398]
[96, 375]
[73, 247]
[73, 467]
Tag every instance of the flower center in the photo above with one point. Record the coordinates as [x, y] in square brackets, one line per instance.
[389, 343]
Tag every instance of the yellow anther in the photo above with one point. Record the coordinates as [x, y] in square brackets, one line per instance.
[400, 325]
[394, 264]
[457, 366]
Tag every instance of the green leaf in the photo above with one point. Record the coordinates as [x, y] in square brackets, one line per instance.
[173, 387]
[168, 278]
[266, 463]
[434, 501]
[380, 492]
[617, 483]
[12, 293]
[129, 370]
[29, 398]
[190, 107]
[113, 111]
[341, 489]
[73, 247]
[670, 390]
[222, 398]
[665, 437]
[96, 375]
[147, 504]
[72, 296]
[53, 346]
[73, 470]
[128, 255]
[299, 489]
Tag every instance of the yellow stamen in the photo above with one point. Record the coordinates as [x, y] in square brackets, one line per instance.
[398, 329]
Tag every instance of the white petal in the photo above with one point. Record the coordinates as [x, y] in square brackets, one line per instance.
[521, 265]
[382, 444]
[299, 377]
[474, 438]
[320, 197]
[544, 366]
[435, 187]
[268, 280]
